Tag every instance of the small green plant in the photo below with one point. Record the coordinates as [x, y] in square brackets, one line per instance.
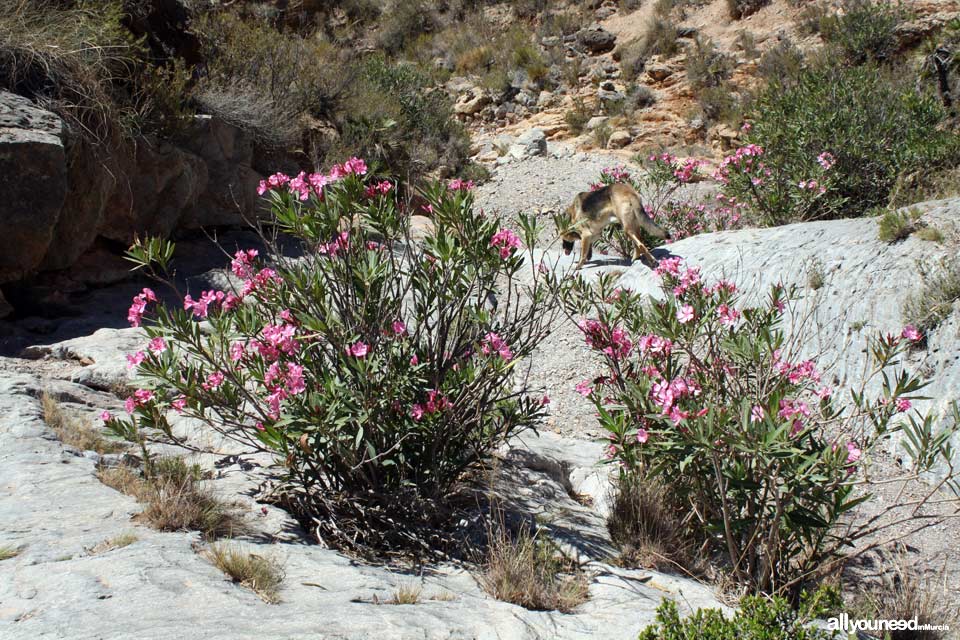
[747, 43]
[577, 117]
[931, 234]
[707, 66]
[756, 619]
[602, 133]
[940, 290]
[529, 571]
[895, 225]
[261, 574]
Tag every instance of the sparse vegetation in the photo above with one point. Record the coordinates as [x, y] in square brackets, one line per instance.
[940, 290]
[816, 276]
[602, 133]
[175, 497]
[74, 431]
[931, 234]
[526, 570]
[117, 542]
[577, 117]
[408, 593]
[707, 66]
[648, 526]
[865, 30]
[261, 574]
[7, 552]
[742, 8]
[896, 225]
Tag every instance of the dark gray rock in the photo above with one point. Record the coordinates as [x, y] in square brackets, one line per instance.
[33, 180]
[596, 40]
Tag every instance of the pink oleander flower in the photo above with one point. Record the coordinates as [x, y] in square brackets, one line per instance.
[757, 413]
[237, 351]
[157, 346]
[242, 263]
[273, 182]
[358, 349]
[903, 404]
[295, 381]
[507, 241]
[853, 452]
[381, 188]
[460, 185]
[139, 306]
[493, 343]
[399, 328]
[414, 360]
[685, 314]
[135, 359]
[260, 426]
[826, 160]
[728, 315]
[129, 404]
[214, 380]
[300, 186]
[584, 388]
[201, 307]
[355, 166]
[911, 333]
[669, 266]
[545, 400]
[142, 396]
[106, 416]
[416, 412]
[179, 404]
[642, 435]
[824, 392]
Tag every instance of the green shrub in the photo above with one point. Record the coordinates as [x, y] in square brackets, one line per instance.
[719, 104]
[405, 23]
[864, 31]
[872, 122]
[712, 399]
[897, 225]
[756, 619]
[781, 62]
[379, 369]
[395, 116]
[706, 65]
[577, 117]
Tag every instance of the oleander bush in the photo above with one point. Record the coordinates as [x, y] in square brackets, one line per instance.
[705, 393]
[870, 124]
[379, 370]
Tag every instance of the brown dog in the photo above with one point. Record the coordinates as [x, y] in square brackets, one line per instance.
[591, 211]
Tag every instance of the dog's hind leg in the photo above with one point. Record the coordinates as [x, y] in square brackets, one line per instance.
[640, 249]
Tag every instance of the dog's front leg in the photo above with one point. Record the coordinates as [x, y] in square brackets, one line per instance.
[586, 249]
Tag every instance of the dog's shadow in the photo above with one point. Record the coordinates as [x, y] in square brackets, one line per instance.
[617, 261]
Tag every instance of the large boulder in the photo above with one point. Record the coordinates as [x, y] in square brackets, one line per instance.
[230, 194]
[596, 40]
[33, 180]
[531, 143]
[151, 197]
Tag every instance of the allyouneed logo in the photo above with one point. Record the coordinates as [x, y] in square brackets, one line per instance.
[844, 623]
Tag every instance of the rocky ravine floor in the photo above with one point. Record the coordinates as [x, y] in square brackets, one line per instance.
[55, 510]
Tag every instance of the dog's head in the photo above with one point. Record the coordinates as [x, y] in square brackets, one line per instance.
[652, 228]
[566, 224]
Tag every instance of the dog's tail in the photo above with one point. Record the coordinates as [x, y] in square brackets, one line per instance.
[646, 222]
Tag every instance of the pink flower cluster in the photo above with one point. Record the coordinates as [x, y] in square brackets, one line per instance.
[826, 160]
[613, 343]
[685, 172]
[436, 401]
[742, 158]
[507, 241]
[201, 307]
[139, 306]
[458, 184]
[667, 394]
[282, 384]
[140, 398]
[304, 184]
[618, 173]
[341, 242]
[493, 343]
[381, 188]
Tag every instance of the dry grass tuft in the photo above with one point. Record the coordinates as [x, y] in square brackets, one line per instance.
[74, 432]
[530, 572]
[407, 594]
[7, 552]
[905, 594]
[648, 528]
[260, 574]
[175, 498]
[117, 542]
[930, 306]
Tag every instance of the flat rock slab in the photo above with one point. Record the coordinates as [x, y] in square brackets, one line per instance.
[56, 511]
